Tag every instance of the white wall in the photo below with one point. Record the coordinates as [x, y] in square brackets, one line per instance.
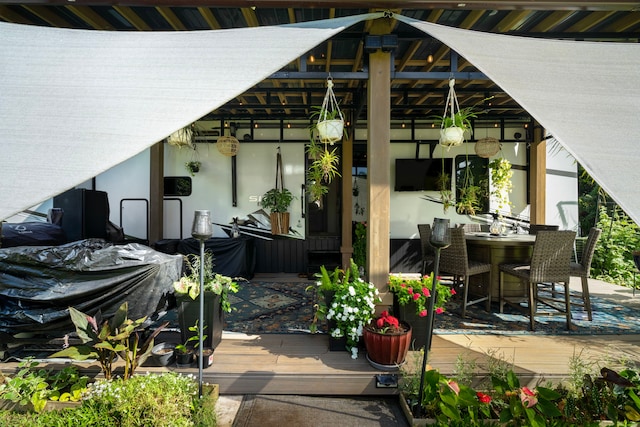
[256, 167]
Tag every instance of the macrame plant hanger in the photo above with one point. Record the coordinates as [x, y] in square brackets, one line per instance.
[330, 123]
[451, 136]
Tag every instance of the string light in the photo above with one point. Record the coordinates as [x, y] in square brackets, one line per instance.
[430, 59]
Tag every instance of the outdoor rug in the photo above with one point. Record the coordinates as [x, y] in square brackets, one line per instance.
[268, 307]
[314, 411]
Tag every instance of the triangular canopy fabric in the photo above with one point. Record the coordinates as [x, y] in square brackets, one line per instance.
[586, 94]
[74, 103]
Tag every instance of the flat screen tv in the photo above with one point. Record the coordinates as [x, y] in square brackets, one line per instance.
[420, 174]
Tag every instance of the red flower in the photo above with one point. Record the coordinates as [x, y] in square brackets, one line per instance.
[416, 297]
[439, 310]
[453, 291]
[483, 398]
[423, 313]
[404, 285]
[410, 290]
[425, 292]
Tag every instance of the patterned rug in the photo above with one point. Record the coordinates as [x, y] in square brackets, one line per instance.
[266, 307]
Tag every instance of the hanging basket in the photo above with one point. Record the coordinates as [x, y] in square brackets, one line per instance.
[450, 134]
[228, 145]
[330, 124]
[451, 137]
[330, 131]
[181, 138]
[487, 147]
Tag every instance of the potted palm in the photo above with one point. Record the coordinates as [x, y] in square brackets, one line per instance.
[387, 341]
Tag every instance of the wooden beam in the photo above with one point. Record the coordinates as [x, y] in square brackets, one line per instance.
[378, 122]
[346, 247]
[538, 177]
[156, 193]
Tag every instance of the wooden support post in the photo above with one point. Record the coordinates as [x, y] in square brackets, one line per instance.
[378, 171]
[346, 248]
[156, 193]
[538, 176]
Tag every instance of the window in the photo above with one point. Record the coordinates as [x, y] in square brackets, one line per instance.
[473, 171]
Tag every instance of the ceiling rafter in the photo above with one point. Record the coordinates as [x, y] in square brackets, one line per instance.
[552, 21]
[171, 18]
[209, 18]
[589, 22]
[48, 16]
[90, 17]
[132, 17]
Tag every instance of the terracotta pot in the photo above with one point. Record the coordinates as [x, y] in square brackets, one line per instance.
[389, 349]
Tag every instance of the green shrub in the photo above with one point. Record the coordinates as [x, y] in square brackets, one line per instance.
[613, 258]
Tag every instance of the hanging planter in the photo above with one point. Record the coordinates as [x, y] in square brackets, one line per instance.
[277, 200]
[330, 129]
[185, 137]
[455, 122]
[330, 124]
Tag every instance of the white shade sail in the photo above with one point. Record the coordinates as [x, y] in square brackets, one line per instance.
[586, 94]
[74, 103]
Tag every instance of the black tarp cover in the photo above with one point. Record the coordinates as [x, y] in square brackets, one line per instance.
[39, 283]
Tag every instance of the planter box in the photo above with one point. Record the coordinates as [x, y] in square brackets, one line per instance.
[189, 313]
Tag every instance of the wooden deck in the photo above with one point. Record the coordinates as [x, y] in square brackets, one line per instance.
[303, 364]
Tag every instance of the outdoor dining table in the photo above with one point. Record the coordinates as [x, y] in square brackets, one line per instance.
[508, 248]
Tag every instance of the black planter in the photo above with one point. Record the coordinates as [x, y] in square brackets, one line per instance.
[184, 360]
[189, 313]
[407, 313]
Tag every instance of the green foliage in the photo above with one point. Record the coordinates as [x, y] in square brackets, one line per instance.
[277, 200]
[182, 348]
[37, 386]
[322, 170]
[418, 292]
[360, 244]
[461, 119]
[167, 399]
[189, 283]
[352, 305]
[193, 167]
[613, 257]
[501, 175]
[105, 340]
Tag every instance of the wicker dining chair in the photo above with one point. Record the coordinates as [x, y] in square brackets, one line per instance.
[550, 263]
[582, 269]
[455, 261]
[471, 227]
[428, 252]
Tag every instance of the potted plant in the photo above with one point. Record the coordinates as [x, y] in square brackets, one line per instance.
[454, 126]
[164, 353]
[410, 298]
[387, 341]
[277, 201]
[348, 304]
[216, 298]
[193, 167]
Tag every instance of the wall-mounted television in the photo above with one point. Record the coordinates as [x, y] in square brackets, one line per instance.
[420, 174]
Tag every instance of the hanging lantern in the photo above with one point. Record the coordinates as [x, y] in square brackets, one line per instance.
[487, 147]
[228, 145]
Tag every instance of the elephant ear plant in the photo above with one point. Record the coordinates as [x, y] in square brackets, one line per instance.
[105, 340]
